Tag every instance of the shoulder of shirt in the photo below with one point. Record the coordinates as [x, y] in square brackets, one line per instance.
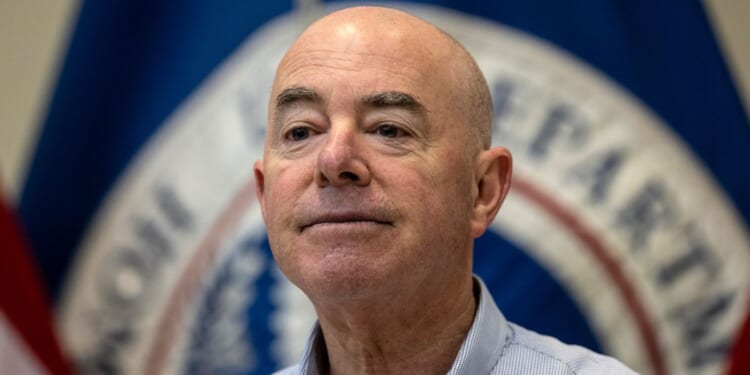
[288, 371]
[538, 353]
[545, 354]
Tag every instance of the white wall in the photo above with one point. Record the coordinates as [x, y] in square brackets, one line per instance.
[33, 35]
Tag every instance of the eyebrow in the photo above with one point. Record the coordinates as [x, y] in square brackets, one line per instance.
[292, 95]
[393, 99]
[386, 99]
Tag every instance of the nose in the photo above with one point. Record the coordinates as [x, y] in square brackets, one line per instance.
[341, 162]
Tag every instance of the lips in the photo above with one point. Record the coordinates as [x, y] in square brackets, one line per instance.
[343, 218]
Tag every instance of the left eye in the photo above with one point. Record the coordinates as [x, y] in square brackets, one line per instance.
[388, 131]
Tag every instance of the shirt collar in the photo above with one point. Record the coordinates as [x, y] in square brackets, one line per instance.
[486, 339]
[479, 352]
[313, 353]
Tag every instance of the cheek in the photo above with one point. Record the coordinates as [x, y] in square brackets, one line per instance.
[439, 198]
[283, 186]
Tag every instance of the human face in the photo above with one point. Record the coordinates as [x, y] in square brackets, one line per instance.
[365, 183]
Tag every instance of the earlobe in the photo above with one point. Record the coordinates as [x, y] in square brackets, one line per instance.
[493, 178]
[259, 185]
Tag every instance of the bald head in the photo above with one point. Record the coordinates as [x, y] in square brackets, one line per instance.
[419, 51]
[377, 172]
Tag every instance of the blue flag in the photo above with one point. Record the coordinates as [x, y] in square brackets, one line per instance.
[626, 229]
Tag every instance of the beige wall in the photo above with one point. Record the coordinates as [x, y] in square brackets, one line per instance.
[729, 19]
[33, 34]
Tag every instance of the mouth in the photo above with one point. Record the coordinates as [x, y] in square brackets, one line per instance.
[344, 219]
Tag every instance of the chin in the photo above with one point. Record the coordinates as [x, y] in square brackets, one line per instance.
[345, 278]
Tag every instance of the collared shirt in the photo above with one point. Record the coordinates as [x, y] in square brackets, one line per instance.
[495, 346]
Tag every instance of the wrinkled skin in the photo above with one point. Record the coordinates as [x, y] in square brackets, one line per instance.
[373, 186]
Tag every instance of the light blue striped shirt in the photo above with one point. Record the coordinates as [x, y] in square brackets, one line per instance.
[495, 346]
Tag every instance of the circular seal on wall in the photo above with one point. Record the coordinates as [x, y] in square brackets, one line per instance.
[175, 274]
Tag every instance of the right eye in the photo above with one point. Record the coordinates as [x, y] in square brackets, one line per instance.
[298, 134]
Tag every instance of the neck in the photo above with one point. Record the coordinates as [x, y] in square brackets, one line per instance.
[411, 331]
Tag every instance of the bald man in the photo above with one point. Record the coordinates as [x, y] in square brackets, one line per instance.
[377, 176]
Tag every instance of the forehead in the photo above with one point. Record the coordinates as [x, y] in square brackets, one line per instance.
[348, 59]
[348, 75]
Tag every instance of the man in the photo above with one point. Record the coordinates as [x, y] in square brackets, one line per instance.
[377, 176]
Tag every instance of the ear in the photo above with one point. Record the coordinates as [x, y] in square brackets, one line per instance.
[259, 185]
[493, 174]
